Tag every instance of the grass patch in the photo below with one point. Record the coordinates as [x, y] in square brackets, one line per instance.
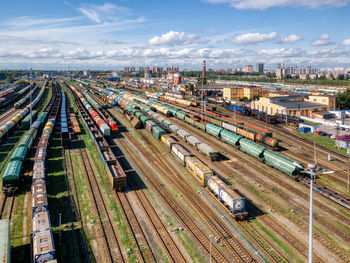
[190, 248]
[321, 140]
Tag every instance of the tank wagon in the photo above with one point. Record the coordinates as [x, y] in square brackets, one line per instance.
[231, 198]
[18, 104]
[18, 117]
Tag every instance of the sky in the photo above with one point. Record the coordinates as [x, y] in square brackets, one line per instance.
[226, 33]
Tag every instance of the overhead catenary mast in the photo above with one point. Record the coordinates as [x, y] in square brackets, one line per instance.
[202, 90]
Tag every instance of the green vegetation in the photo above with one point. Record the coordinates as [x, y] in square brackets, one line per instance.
[343, 100]
[321, 140]
[190, 247]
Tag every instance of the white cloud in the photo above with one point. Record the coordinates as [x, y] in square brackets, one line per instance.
[254, 38]
[264, 4]
[175, 38]
[99, 13]
[346, 42]
[290, 39]
[322, 40]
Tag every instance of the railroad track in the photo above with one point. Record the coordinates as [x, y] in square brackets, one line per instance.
[75, 201]
[298, 246]
[226, 238]
[292, 139]
[6, 115]
[167, 243]
[110, 237]
[302, 223]
[137, 232]
[6, 206]
[197, 234]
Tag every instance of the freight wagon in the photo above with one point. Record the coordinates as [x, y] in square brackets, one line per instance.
[203, 174]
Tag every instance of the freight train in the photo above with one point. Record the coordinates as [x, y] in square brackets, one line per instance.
[239, 109]
[11, 96]
[18, 104]
[102, 125]
[14, 120]
[233, 200]
[274, 159]
[43, 248]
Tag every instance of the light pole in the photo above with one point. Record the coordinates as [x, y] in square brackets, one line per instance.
[30, 97]
[311, 168]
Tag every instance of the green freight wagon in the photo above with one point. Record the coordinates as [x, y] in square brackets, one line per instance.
[199, 125]
[213, 129]
[283, 163]
[167, 123]
[137, 114]
[173, 111]
[181, 115]
[144, 119]
[42, 117]
[27, 141]
[230, 137]
[157, 131]
[252, 148]
[12, 172]
[189, 120]
[20, 153]
[25, 123]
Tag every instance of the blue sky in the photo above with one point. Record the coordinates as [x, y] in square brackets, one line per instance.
[226, 33]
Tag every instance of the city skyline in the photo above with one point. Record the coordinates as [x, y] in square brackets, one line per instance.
[225, 33]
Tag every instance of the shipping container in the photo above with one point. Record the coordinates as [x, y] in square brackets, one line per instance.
[180, 153]
[168, 140]
[229, 127]
[200, 171]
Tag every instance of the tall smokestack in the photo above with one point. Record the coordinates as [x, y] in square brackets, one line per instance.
[203, 70]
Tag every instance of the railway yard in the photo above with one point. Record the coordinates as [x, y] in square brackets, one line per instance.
[112, 174]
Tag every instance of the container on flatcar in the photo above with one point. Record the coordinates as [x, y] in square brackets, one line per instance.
[201, 172]
[168, 140]
[180, 153]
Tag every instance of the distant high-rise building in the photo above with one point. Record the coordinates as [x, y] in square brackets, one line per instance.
[260, 67]
[249, 68]
[141, 69]
[126, 69]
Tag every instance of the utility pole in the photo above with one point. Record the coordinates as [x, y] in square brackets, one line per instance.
[30, 97]
[312, 168]
[266, 119]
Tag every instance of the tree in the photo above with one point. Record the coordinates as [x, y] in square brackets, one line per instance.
[9, 79]
[343, 100]
[341, 77]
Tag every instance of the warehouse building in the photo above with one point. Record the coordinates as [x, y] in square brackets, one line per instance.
[343, 141]
[328, 100]
[290, 105]
[239, 92]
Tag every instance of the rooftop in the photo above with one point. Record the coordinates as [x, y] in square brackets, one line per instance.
[296, 104]
[344, 138]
